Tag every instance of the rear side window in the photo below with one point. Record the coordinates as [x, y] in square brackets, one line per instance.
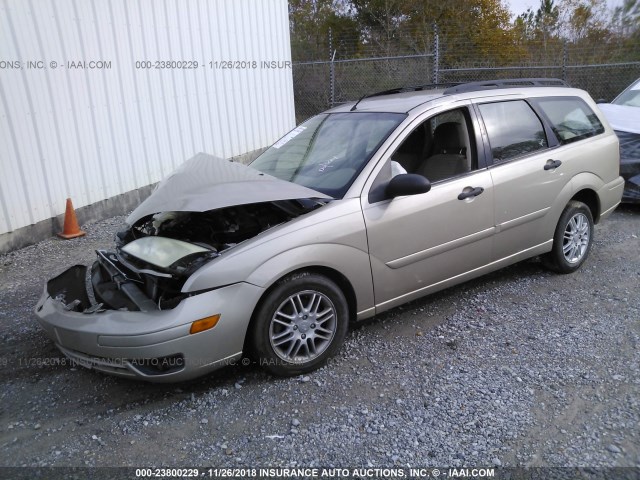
[513, 129]
[571, 118]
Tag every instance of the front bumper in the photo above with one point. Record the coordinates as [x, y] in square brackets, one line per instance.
[155, 345]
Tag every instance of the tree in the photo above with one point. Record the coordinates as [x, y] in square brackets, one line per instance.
[541, 23]
[537, 33]
[625, 26]
[547, 17]
[583, 19]
[468, 29]
[309, 24]
[626, 19]
[525, 26]
[381, 22]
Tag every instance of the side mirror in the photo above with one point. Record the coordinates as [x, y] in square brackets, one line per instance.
[601, 100]
[407, 184]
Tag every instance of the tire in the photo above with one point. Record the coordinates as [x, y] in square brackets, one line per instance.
[299, 325]
[572, 239]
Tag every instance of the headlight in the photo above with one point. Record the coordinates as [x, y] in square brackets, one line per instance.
[162, 252]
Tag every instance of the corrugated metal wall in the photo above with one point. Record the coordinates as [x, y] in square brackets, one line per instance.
[92, 133]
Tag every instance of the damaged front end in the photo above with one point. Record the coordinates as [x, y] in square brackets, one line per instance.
[154, 257]
[69, 288]
[128, 315]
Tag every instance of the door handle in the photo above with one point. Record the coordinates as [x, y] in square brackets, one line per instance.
[552, 164]
[474, 192]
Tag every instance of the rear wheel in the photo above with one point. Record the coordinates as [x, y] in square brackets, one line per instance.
[300, 324]
[572, 239]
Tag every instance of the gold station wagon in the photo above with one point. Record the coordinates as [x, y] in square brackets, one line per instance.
[357, 210]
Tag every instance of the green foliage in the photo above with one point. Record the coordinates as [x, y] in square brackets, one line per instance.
[574, 39]
[310, 22]
[626, 19]
[470, 32]
[626, 27]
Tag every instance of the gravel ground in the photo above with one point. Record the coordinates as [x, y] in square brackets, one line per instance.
[519, 368]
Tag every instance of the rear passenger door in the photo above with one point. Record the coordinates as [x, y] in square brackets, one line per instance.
[527, 174]
[535, 148]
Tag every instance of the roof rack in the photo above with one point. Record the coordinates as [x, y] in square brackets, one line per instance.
[415, 88]
[506, 83]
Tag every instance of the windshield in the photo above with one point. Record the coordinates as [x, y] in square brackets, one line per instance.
[630, 97]
[328, 151]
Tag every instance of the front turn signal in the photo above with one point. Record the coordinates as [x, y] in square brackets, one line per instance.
[204, 324]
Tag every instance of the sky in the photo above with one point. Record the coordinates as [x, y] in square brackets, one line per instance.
[520, 6]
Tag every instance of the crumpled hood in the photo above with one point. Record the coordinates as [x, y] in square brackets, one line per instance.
[205, 182]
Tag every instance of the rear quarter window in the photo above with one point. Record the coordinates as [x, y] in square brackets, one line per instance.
[571, 119]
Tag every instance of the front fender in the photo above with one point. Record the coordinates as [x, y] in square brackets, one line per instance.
[349, 261]
[332, 237]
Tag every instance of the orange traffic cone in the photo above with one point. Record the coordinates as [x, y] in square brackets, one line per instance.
[71, 228]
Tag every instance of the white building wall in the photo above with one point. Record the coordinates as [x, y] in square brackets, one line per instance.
[94, 133]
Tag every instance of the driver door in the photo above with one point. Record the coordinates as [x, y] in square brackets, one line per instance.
[420, 243]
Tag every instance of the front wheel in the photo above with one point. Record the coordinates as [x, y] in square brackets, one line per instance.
[572, 239]
[300, 324]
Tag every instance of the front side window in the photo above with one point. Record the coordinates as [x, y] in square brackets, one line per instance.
[440, 148]
[513, 128]
[328, 151]
[571, 118]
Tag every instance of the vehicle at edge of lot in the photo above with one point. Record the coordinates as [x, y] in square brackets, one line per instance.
[623, 114]
[362, 208]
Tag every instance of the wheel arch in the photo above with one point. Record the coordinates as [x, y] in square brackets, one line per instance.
[590, 198]
[332, 274]
[586, 186]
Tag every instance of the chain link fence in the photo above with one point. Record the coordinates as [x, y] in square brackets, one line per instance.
[602, 81]
[323, 84]
[320, 85]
